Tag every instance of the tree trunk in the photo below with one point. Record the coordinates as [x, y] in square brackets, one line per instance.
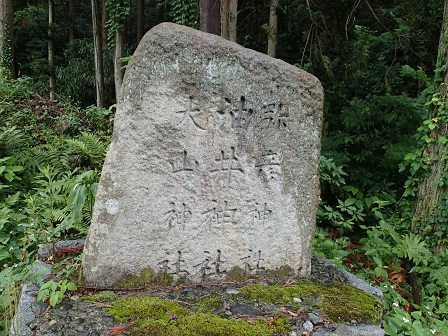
[432, 190]
[210, 16]
[51, 70]
[71, 22]
[233, 14]
[104, 18]
[225, 24]
[272, 31]
[7, 38]
[229, 10]
[118, 55]
[140, 19]
[98, 54]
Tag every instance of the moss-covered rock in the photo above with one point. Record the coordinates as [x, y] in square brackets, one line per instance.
[205, 324]
[193, 316]
[104, 296]
[146, 309]
[148, 277]
[340, 303]
[208, 304]
[157, 317]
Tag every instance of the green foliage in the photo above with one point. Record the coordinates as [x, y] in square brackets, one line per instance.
[6, 59]
[10, 281]
[80, 201]
[333, 249]
[118, 11]
[385, 250]
[76, 76]
[12, 140]
[48, 187]
[8, 171]
[184, 12]
[54, 292]
[13, 90]
[90, 147]
[10, 232]
[31, 33]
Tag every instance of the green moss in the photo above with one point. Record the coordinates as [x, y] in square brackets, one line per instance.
[163, 279]
[346, 303]
[263, 293]
[209, 303]
[236, 274]
[145, 309]
[158, 317]
[104, 296]
[341, 303]
[206, 324]
[146, 277]
[281, 325]
[282, 272]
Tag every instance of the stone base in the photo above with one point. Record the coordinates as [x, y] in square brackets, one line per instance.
[322, 270]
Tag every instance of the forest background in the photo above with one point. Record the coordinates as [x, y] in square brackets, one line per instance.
[383, 213]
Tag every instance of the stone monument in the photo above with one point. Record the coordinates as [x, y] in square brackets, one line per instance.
[213, 169]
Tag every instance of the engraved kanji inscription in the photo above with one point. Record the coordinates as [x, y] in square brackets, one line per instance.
[211, 264]
[218, 216]
[204, 266]
[164, 265]
[189, 114]
[252, 264]
[178, 217]
[274, 115]
[185, 164]
[247, 262]
[227, 164]
[241, 116]
[260, 215]
[269, 166]
[218, 263]
[173, 267]
[258, 261]
[179, 271]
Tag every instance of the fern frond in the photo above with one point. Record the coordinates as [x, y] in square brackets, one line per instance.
[440, 276]
[12, 140]
[45, 155]
[414, 249]
[91, 147]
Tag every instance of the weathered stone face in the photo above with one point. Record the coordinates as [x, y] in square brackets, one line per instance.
[213, 166]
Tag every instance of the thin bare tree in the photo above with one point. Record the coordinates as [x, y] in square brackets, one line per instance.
[272, 30]
[98, 53]
[51, 69]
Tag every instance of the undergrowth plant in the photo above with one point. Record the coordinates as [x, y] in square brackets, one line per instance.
[49, 171]
[389, 254]
[54, 291]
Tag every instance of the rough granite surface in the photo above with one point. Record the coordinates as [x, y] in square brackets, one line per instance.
[213, 165]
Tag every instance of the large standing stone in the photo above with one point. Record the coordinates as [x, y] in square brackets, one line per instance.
[213, 166]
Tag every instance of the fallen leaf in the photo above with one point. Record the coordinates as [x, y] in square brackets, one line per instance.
[286, 311]
[118, 330]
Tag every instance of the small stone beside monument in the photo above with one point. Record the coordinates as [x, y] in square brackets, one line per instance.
[213, 169]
